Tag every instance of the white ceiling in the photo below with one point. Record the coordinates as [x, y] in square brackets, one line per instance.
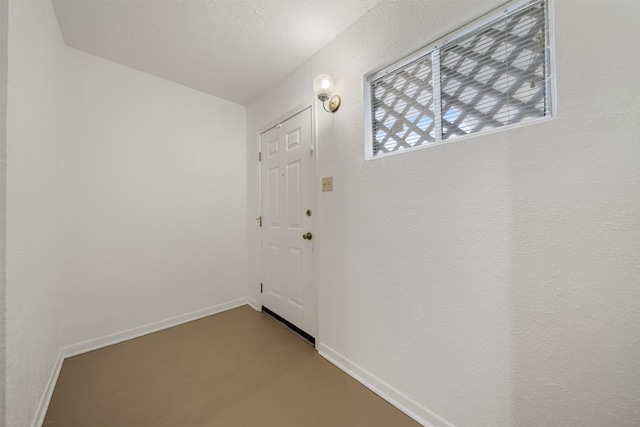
[233, 49]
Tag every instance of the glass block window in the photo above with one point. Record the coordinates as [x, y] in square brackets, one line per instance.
[491, 74]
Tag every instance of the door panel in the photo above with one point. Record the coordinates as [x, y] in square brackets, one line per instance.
[293, 194]
[274, 270]
[287, 176]
[295, 276]
[273, 193]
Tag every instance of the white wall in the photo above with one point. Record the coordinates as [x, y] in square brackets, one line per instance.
[4, 27]
[126, 199]
[155, 191]
[36, 77]
[490, 281]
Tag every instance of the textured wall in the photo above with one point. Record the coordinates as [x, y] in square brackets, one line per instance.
[126, 199]
[155, 194]
[34, 209]
[574, 213]
[493, 280]
[4, 27]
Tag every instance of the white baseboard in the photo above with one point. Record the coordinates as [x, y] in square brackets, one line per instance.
[97, 343]
[48, 392]
[401, 401]
[118, 337]
[254, 304]
[404, 403]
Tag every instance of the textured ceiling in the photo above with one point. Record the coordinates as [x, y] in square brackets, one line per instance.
[231, 49]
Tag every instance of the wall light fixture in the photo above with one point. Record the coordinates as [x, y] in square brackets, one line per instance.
[323, 88]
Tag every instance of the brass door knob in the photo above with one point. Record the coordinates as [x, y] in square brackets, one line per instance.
[307, 236]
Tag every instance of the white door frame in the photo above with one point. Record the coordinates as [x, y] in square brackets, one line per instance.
[284, 117]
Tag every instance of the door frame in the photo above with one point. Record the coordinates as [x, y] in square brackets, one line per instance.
[314, 177]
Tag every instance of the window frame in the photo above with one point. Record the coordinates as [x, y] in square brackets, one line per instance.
[478, 24]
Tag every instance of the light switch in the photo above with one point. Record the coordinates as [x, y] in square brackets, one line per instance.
[327, 183]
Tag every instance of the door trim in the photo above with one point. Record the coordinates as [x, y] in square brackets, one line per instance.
[314, 176]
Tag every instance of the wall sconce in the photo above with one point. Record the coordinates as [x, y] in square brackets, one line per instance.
[323, 88]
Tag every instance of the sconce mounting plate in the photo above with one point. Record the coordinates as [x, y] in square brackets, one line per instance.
[334, 103]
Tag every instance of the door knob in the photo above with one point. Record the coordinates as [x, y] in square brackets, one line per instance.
[307, 236]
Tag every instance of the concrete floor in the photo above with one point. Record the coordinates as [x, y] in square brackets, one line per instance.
[237, 368]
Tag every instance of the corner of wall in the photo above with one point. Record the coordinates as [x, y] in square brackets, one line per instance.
[43, 406]
[33, 63]
[254, 304]
[105, 341]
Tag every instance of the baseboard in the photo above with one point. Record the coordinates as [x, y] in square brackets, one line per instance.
[254, 304]
[401, 401]
[48, 392]
[97, 343]
[118, 337]
[404, 403]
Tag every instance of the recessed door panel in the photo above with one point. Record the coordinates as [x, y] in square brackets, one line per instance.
[294, 213]
[273, 199]
[275, 272]
[273, 148]
[293, 139]
[294, 265]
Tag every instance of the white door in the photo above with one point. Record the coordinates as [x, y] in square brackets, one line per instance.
[288, 214]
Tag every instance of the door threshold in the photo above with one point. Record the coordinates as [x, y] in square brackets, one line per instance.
[290, 325]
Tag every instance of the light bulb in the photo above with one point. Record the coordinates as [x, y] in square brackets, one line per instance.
[323, 86]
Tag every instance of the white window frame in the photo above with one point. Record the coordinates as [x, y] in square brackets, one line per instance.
[390, 67]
